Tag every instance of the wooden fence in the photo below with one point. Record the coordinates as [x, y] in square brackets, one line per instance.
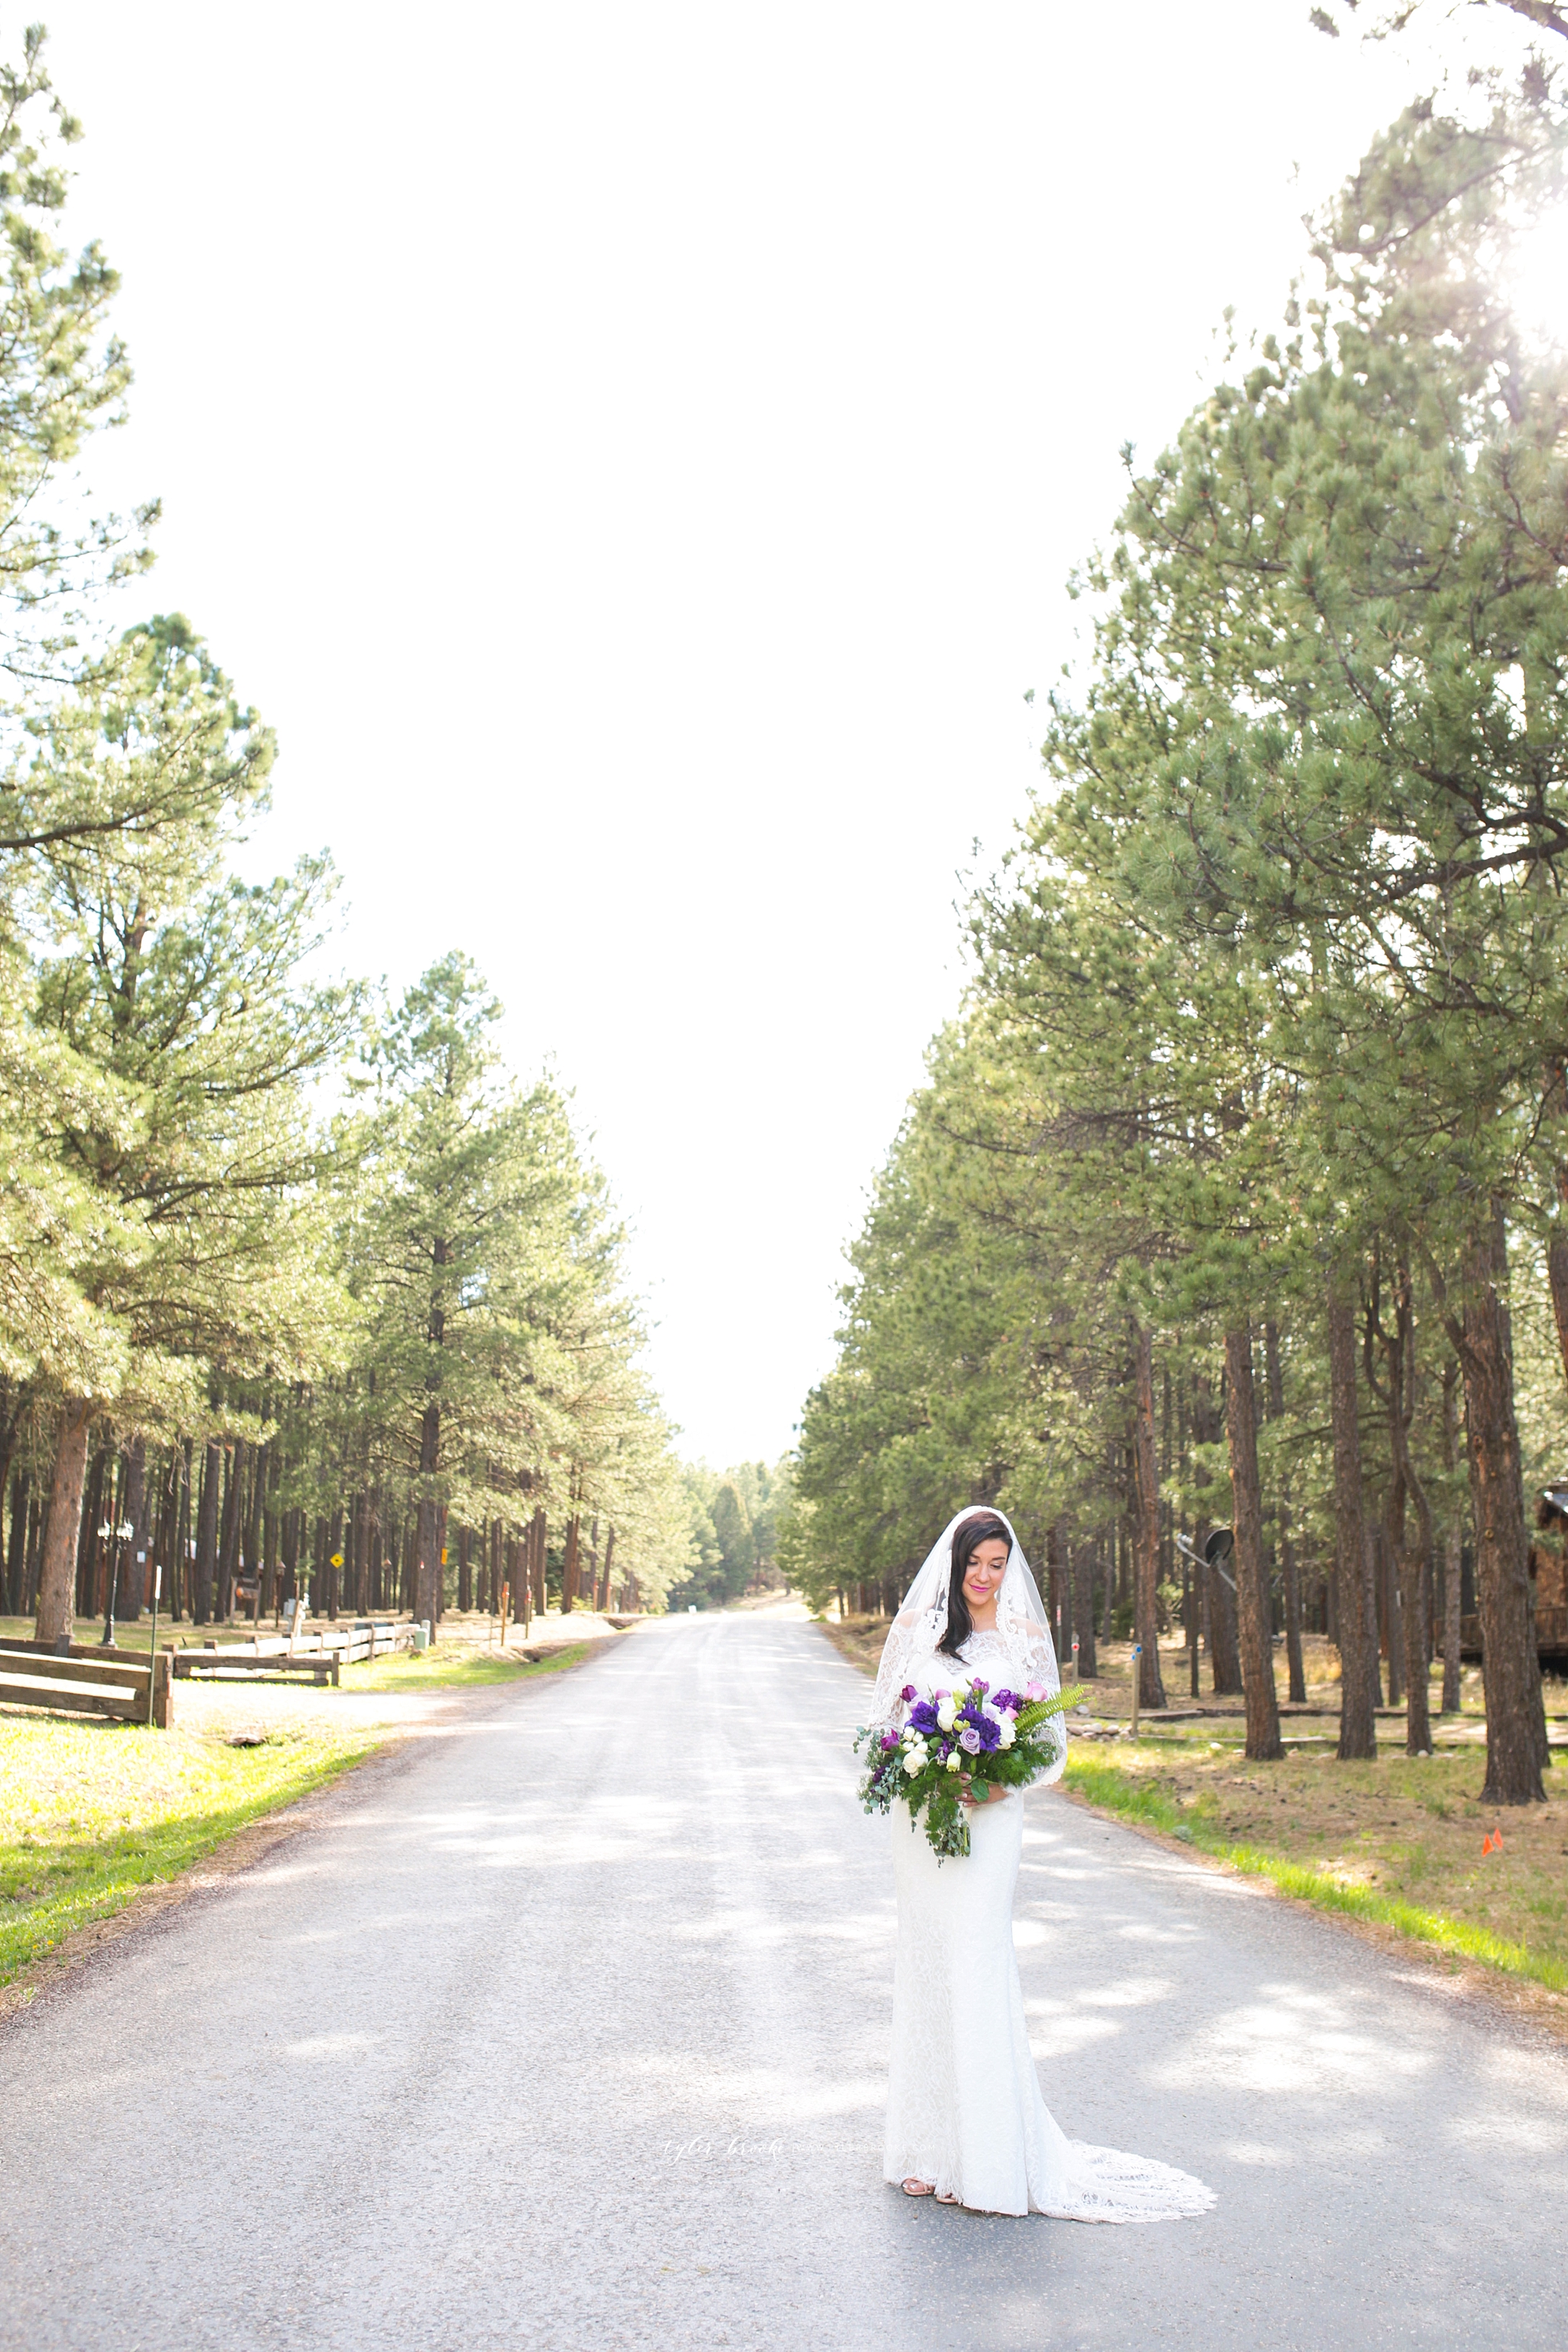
[318, 1656]
[88, 1680]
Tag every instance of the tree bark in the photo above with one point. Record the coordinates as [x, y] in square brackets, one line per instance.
[426, 1565]
[539, 1531]
[89, 1550]
[207, 1536]
[1080, 1567]
[56, 1570]
[1295, 1662]
[1146, 1504]
[604, 1573]
[1556, 1104]
[1358, 1727]
[1516, 1717]
[228, 1550]
[1191, 1621]
[1453, 1557]
[1263, 1740]
[1060, 1558]
[133, 1559]
[569, 1568]
[17, 1556]
[1390, 1618]
[1219, 1601]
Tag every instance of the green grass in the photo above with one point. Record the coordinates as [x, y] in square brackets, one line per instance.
[1134, 1798]
[91, 1812]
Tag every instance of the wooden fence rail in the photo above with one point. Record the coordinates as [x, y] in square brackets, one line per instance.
[87, 1680]
[318, 1655]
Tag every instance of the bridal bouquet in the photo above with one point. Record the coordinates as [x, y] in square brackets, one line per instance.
[969, 1736]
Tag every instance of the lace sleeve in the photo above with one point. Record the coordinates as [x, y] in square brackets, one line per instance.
[911, 1637]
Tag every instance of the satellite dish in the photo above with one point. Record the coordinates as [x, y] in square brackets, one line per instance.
[1220, 1546]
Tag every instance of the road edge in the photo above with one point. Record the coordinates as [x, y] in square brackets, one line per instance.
[147, 1906]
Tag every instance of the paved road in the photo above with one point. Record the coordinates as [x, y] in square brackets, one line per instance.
[567, 2029]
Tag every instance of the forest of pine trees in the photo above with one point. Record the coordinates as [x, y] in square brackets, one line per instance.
[1235, 1192]
[298, 1290]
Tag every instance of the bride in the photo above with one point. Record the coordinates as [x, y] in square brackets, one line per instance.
[965, 2119]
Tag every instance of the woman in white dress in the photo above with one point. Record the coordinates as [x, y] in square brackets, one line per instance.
[965, 2120]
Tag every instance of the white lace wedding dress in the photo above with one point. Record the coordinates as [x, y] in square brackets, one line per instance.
[964, 2110]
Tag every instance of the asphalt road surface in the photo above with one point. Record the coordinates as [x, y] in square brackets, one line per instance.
[567, 2027]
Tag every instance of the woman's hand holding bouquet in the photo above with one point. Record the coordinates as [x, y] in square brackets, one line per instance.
[953, 1749]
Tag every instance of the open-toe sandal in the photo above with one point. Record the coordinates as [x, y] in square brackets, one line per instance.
[914, 2187]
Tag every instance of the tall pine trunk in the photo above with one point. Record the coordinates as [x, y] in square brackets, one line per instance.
[1407, 1556]
[207, 1534]
[1061, 1588]
[133, 1561]
[228, 1550]
[1218, 1598]
[1263, 1740]
[426, 1564]
[1557, 1106]
[1516, 1718]
[1289, 1577]
[17, 1555]
[1358, 1724]
[540, 1534]
[1146, 1506]
[1453, 1580]
[1080, 1566]
[569, 1568]
[56, 1568]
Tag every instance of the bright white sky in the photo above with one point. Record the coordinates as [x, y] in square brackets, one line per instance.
[632, 453]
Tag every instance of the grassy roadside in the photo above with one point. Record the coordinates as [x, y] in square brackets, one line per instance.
[92, 1812]
[1396, 1844]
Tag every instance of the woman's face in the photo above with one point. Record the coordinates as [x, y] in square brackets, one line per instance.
[982, 1577]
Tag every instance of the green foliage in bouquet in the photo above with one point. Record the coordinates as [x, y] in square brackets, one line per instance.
[958, 1740]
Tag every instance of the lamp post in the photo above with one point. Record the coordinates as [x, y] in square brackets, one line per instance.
[122, 1535]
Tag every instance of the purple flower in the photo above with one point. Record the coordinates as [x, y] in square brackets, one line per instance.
[979, 1688]
[909, 1692]
[923, 1718]
[969, 1739]
[890, 1738]
[1009, 1699]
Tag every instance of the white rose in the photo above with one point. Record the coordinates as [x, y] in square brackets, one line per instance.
[913, 1761]
[1005, 1736]
[947, 1713]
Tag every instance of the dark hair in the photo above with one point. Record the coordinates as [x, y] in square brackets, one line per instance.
[983, 1527]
